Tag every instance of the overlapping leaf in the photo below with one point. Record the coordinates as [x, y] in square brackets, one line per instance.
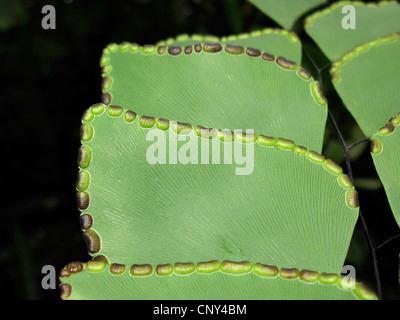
[367, 80]
[286, 12]
[372, 20]
[219, 87]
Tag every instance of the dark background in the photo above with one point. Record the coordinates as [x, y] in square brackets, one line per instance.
[49, 77]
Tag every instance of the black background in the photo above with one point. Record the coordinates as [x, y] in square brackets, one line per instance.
[49, 77]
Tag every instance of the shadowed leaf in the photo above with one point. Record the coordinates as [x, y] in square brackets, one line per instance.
[217, 86]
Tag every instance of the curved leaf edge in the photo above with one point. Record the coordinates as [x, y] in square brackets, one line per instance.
[319, 14]
[290, 35]
[230, 268]
[210, 48]
[93, 239]
[295, 18]
[336, 66]
[378, 143]
[290, 39]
